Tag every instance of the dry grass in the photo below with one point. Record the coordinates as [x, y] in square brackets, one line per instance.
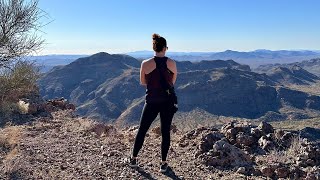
[287, 156]
[12, 154]
[312, 89]
[186, 121]
[276, 156]
[12, 134]
[296, 147]
[296, 124]
[9, 140]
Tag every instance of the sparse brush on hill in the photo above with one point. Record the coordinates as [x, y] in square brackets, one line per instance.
[20, 22]
[18, 82]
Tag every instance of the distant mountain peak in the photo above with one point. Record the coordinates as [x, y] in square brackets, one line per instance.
[262, 50]
[296, 67]
[99, 54]
[229, 51]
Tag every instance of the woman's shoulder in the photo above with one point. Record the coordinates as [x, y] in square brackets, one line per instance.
[171, 62]
[151, 61]
[147, 61]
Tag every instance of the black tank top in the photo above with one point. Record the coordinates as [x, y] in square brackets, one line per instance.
[155, 93]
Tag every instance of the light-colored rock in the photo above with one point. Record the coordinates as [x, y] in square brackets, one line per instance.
[266, 144]
[241, 170]
[265, 127]
[226, 155]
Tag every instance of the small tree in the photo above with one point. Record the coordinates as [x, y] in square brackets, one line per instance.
[18, 81]
[19, 23]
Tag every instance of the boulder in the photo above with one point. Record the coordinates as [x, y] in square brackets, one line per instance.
[241, 170]
[256, 133]
[265, 127]
[60, 104]
[278, 134]
[266, 144]
[70, 106]
[243, 140]
[49, 107]
[282, 172]
[156, 131]
[173, 128]
[208, 140]
[225, 155]
[267, 171]
[33, 108]
[286, 139]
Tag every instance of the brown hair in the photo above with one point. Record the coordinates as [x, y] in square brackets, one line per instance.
[158, 42]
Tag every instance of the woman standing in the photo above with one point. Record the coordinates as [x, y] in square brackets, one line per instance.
[155, 73]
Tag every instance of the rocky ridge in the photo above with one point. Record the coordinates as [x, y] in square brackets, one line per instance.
[106, 87]
[68, 146]
[292, 75]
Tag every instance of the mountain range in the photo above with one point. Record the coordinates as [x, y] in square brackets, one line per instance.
[312, 65]
[251, 58]
[292, 75]
[47, 62]
[106, 86]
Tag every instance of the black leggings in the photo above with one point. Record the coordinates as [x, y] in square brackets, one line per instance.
[149, 113]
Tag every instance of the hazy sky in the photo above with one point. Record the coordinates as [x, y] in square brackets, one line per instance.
[118, 26]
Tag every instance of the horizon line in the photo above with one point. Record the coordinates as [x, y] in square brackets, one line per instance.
[66, 54]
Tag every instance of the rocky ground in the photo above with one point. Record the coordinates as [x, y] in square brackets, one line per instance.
[69, 147]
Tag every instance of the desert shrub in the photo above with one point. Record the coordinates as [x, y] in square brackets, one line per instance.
[15, 83]
[20, 22]
[296, 147]
[277, 156]
[9, 139]
[287, 156]
[4, 144]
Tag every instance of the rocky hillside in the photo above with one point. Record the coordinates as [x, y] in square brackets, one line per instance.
[73, 147]
[96, 84]
[106, 87]
[184, 66]
[292, 75]
[312, 66]
[259, 57]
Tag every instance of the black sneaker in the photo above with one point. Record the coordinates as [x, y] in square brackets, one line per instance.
[163, 167]
[132, 162]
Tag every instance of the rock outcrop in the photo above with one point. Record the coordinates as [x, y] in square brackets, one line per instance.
[256, 150]
[72, 146]
[292, 75]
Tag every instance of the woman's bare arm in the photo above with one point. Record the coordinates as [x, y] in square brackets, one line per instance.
[173, 67]
[142, 74]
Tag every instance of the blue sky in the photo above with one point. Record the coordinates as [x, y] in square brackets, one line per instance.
[119, 26]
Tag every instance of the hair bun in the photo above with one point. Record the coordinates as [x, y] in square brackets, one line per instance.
[155, 36]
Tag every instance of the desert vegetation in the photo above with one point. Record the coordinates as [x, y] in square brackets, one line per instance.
[16, 83]
[19, 27]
